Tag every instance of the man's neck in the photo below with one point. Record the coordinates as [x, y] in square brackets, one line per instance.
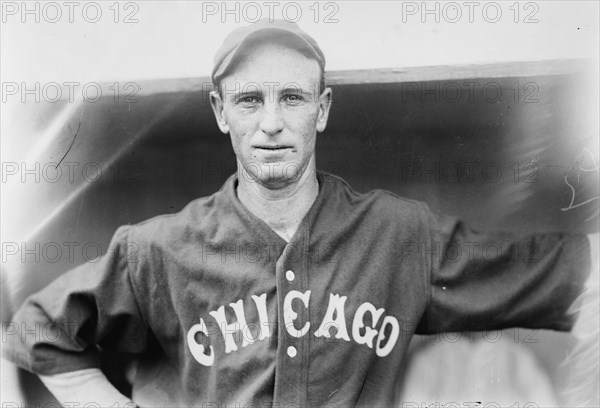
[282, 209]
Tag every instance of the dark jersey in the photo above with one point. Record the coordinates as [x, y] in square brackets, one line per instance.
[220, 309]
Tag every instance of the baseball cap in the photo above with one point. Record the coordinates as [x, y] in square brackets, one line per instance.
[264, 30]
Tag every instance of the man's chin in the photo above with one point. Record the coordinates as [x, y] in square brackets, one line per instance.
[272, 178]
[273, 175]
[277, 181]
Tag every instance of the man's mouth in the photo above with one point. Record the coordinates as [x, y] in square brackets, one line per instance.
[273, 147]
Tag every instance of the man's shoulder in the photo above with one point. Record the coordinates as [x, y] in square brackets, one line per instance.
[195, 218]
[380, 201]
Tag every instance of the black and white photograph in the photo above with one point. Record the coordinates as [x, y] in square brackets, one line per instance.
[300, 204]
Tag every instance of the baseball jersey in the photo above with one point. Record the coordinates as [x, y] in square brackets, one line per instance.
[221, 311]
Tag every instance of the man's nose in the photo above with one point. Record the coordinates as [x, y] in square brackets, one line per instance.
[271, 121]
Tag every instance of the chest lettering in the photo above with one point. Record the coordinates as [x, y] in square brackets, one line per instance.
[380, 337]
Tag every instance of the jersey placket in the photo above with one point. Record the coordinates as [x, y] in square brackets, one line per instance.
[291, 376]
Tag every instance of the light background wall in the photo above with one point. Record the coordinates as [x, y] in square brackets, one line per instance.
[171, 40]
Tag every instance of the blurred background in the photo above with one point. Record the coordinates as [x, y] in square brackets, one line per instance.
[488, 113]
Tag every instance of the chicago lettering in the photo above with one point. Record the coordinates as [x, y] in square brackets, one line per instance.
[381, 335]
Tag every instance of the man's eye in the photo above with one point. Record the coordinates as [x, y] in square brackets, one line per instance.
[293, 98]
[250, 100]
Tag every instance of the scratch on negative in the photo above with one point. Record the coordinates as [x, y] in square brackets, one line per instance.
[72, 141]
[361, 389]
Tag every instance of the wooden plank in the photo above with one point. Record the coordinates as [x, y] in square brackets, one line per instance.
[386, 75]
[447, 72]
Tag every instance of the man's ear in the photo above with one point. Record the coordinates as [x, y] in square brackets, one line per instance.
[217, 106]
[324, 105]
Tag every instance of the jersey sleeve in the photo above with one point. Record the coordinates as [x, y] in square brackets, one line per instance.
[92, 307]
[489, 281]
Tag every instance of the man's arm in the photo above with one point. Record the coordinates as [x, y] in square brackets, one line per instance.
[90, 307]
[587, 307]
[83, 387]
[583, 361]
[490, 280]
[595, 255]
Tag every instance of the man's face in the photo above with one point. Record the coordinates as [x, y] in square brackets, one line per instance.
[271, 107]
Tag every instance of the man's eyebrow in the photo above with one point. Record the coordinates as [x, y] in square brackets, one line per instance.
[295, 89]
[256, 92]
[243, 94]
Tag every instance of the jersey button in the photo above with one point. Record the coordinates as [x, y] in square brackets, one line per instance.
[291, 350]
[289, 275]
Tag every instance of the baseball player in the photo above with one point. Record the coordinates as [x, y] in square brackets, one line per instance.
[286, 287]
